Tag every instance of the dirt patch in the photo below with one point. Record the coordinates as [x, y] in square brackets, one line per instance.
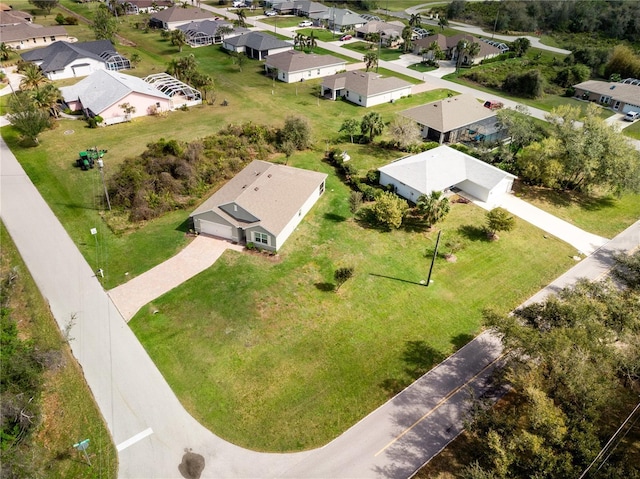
[192, 465]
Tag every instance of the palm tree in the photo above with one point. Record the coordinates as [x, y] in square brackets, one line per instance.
[299, 41]
[47, 98]
[5, 51]
[224, 30]
[242, 17]
[371, 60]
[415, 20]
[407, 35]
[472, 50]
[371, 125]
[443, 22]
[311, 41]
[178, 38]
[461, 50]
[33, 77]
[433, 207]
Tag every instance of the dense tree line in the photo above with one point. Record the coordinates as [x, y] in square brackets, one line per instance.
[170, 174]
[613, 19]
[574, 374]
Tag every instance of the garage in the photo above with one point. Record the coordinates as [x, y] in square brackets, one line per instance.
[215, 229]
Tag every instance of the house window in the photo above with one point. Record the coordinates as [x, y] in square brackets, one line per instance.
[322, 188]
[53, 39]
[261, 238]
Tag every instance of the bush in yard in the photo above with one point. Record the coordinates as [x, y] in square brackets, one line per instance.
[297, 131]
[498, 219]
[389, 210]
[355, 201]
[341, 275]
[529, 84]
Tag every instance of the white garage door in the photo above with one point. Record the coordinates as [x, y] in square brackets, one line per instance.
[215, 229]
[630, 107]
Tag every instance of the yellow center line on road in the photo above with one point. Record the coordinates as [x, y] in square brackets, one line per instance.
[440, 403]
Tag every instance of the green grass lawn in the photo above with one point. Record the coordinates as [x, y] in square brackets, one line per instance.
[69, 413]
[387, 54]
[633, 131]
[282, 22]
[604, 215]
[280, 363]
[321, 34]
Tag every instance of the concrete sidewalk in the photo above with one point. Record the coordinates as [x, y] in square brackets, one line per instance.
[199, 255]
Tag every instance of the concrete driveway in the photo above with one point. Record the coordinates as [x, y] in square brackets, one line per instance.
[199, 255]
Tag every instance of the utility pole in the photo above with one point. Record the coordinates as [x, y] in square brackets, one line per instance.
[433, 259]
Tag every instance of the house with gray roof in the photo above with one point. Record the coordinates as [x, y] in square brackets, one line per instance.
[14, 17]
[458, 118]
[171, 18]
[365, 88]
[256, 45]
[390, 32]
[292, 66]
[209, 32]
[135, 7]
[445, 169]
[621, 97]
[25, 36]
[338, 19]
[302, 8]
[263, 204]
[449, 45]
[68, 60]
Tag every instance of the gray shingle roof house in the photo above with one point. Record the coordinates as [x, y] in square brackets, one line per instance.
[171, 18]
[449, 45]
[619, 96]
[454, 119]
[257, 45]
[208, 32]
[101, 92]
[24, 36]
[67, 60]
[263, 204]
[292, 66]
[338, 19]
[390, 32]
[365, 88]
[442, 169]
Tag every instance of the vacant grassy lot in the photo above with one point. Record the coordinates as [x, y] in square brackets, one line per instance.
[386, 54]
[69, 413]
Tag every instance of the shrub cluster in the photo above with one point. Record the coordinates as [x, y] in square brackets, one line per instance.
[170, 174]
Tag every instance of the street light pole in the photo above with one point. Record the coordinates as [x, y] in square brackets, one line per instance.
[104, 184]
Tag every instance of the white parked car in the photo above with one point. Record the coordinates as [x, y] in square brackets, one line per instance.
[631, 116]
[306, 23]
[270, 13]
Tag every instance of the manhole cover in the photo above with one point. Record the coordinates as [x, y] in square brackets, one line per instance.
[69, 132]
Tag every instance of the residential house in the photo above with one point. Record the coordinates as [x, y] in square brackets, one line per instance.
[292, 66]
[621, 97]
[68, 60]
[257, 45]
[135, 7]
[454, 119]
[390, 32]
[449, 45]
[302, 8]
[171, 18]
[209, 32]
[445, 169]
[263, 204]
[365, 88]
[338, 19]
[14, 17]
[24, 36]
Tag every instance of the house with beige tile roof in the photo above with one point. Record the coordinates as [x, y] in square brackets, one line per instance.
[365, 88]
[24, 36]
[292, 66]
[449, 45]
[172, 18]
[390, 32]
[445, 169]
[455, 119]
[263, 204]
[621, 97]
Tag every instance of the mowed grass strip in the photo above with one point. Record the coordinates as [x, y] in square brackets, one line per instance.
[260, 351]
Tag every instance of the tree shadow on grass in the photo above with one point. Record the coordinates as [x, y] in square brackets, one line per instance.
[473, 233]
[560, 199]
[418, 357]
[334, 217]
[326, 287]
[461, 339]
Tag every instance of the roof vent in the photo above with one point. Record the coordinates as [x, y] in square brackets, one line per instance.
[269, 175]
[255, 189]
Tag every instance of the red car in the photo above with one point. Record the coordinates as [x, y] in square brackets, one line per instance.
[493, 105]
[345, 37]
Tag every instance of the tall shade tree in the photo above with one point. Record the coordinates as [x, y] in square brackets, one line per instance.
[519, 126]
[583, 152]
[26, 117]
[433, 207]
[104, 26]
[371, 125]
[178, 39]
[350, 127]
[46, 5]
[404, 131]
[371, 61]
[5, 51]
[33, 77]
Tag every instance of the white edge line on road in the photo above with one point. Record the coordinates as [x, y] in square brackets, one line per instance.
[132, 440]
